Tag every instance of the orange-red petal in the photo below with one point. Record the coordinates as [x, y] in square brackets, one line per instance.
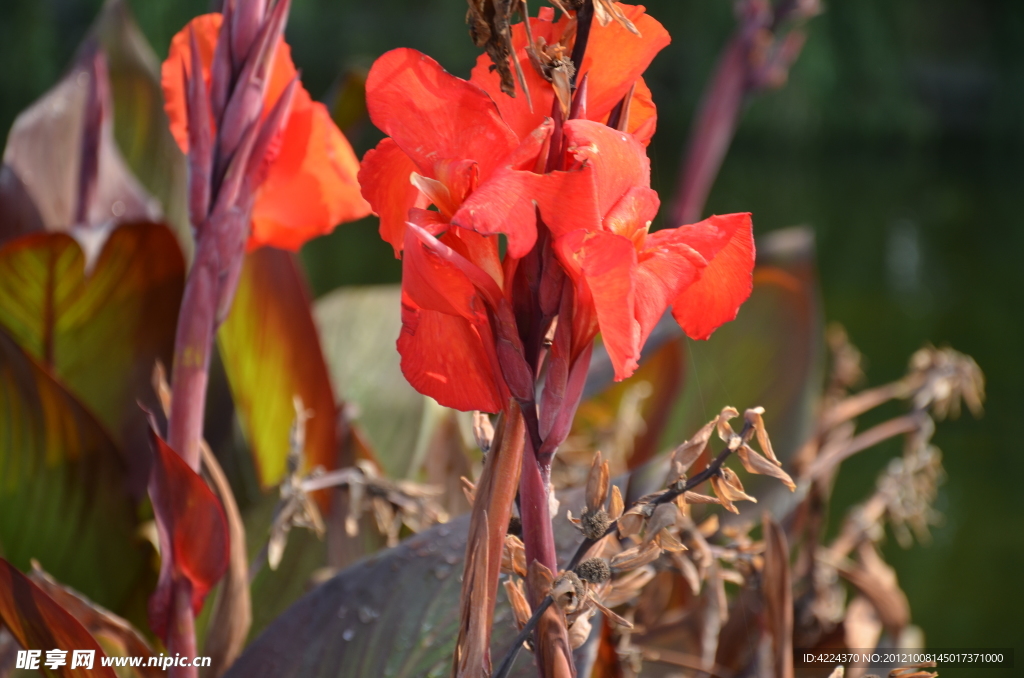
[295, 205]
[604, 265]
[445, 357]
[384, 177]
[434, 116]
[727, 243]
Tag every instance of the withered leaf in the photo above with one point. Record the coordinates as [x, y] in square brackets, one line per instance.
[490, 28]
[756, 464]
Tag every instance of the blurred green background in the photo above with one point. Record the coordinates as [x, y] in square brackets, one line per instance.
[899, 138]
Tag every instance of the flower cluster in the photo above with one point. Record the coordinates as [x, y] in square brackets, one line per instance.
[558, 182]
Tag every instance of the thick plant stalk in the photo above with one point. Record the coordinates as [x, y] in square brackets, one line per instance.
[492, 506]
[224, 173]
[747, 65]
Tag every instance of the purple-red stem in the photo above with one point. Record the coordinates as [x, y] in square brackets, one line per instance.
[712, 132]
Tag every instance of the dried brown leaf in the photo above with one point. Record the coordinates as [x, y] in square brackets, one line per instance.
[635, 557]
[756, 464]
[754, 417]
[615, 505]
[517, 599]
[688, 570]
[232, 607]
[778, 596]
[488, 526]
[690, 451]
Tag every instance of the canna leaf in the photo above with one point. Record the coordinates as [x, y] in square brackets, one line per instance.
[271, 353]
[395, 614]
[37, 622]
[63, 486]
[193, 533]
[99, 329]
[140, 124]
[359, 327]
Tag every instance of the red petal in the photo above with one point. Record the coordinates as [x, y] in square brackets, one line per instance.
[727, 243]
[618, 159]
[384, 177]
[432, 115]
[604, 265]
[616, 58]
[667, 266]
[311, 186]
[631, 216]
[193, 533]
[446, 357]
[179, 59]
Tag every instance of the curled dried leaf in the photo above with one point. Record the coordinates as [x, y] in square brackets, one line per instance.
[616, 504]
[754, 417]
[631, 523]
[758, 465]
[568, 591]
[517, 599]
[513, 556]
[605, 11]
[635, 557]
[725, 432]
[580, 630]
[668, 542]
[687, 453]
[665, 516]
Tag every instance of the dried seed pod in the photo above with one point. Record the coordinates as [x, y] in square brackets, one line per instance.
[594, 570]
[595, 523]
[754, 417]
[568, 591]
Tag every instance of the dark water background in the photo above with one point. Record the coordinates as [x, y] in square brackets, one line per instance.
[899, 139]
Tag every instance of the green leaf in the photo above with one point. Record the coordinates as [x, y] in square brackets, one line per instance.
[394, 615]
[99, 329]
[359, 327]
[63, 486]
[140, 124]
[39, 623]
[271, 353]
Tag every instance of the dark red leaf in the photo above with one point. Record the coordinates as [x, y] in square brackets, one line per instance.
[39, 623]
[193, 533]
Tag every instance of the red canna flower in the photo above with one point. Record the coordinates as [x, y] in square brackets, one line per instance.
[484, 162]
[309, 185]
[627, 276]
